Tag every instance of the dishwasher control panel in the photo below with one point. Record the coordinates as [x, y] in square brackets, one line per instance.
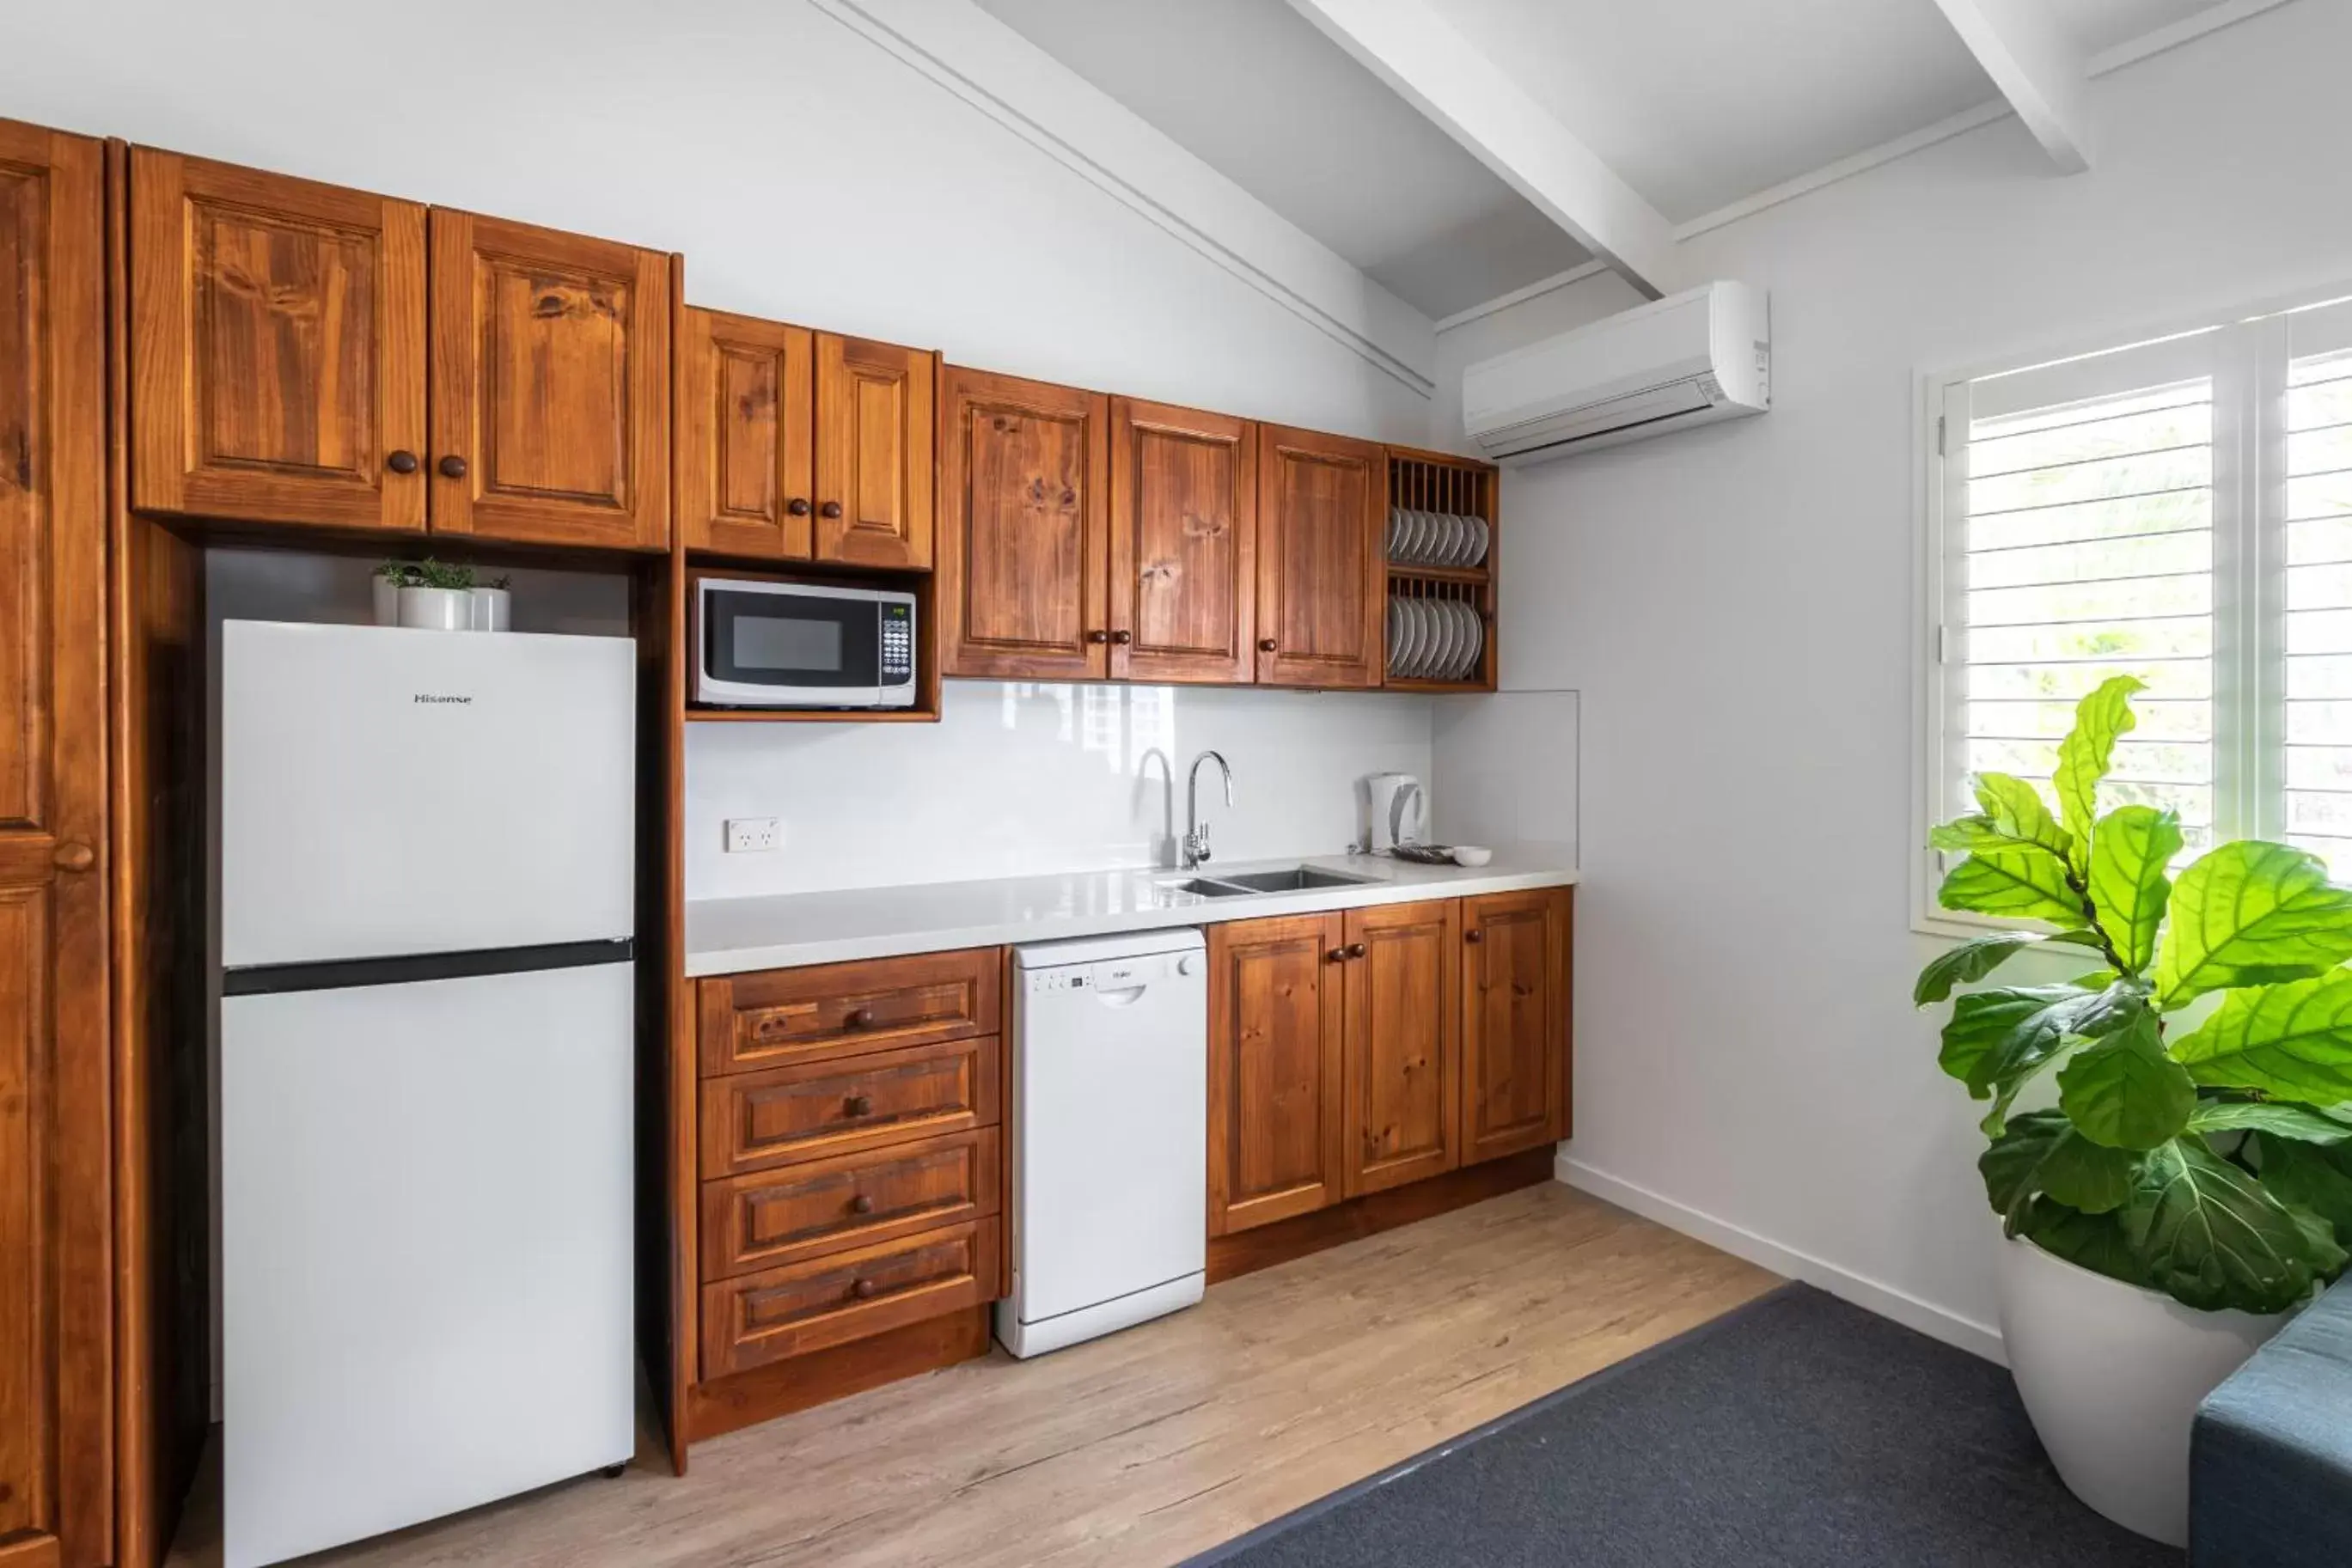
[1114, 974]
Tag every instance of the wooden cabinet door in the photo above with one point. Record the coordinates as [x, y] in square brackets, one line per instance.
[1183, 544]
[1515, 1021]
[1021, 553]
[746, 435]
[277, 348]
[1275, 1012]
[1403, 1033]
[550, 386]
[1321, 579]
[56, 1171]
[874, 408]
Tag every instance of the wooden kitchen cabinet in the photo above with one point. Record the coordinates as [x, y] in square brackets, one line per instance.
[57, 1307]
[1400, 1075]
[1275, 1005]
[550, 385]
[1023, 470]
[1515, 1021]
[1182, 560]
[278, 348]
[745, 426]
[874, 411]
[1321, 575]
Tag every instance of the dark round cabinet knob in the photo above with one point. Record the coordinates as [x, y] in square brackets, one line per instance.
[72, 856]
[797, 506]
[861, 1204]
[1336, 955]
[401, 462]
[1474, 937]
[1122, 638]
[856, 1105]
[859, 1018]
[1356, 949]
[1266, 644]
[863, 1289]
[452, 467]
[1097, 637]
[830, 509]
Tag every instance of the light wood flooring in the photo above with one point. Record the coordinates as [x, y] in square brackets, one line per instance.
[1151, 1445]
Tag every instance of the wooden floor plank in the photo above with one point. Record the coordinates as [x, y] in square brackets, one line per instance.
[1139, 1449]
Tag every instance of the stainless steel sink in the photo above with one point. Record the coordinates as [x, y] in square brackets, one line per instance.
[1292, 879]
[1209, 889]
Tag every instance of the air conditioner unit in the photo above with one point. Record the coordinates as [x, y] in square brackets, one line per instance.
[1689, 360]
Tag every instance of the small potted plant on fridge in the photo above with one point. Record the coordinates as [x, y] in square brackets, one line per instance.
[438, 598]
[492, 607]
[388, 580]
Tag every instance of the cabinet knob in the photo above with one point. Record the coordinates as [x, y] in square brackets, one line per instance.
[1097, 637]
[401, 462]
[73, 855]
[830, 509]
[1357, 949]
[452, 467]
[861, 1204]
[1336, 955]
[856, 1105]
[1266, 644]
[1122, 637]
[863, 1289]
[859, 1018]
[798, 506]
[1474, 937]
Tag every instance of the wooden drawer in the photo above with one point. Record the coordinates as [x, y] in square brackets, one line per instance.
[815, 1109]
[750, 1021]
[843, 1296]
[757, 1222]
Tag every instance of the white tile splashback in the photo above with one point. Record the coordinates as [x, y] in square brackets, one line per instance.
[1019, 778]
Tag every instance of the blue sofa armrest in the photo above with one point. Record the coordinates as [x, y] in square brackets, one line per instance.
[2270, 1465]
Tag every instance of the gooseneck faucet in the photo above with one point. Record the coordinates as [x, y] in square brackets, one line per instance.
[1196, 833]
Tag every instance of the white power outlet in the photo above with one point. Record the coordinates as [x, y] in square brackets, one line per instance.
[753, 835]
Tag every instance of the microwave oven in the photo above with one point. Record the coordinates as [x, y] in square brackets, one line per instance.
[801, 645]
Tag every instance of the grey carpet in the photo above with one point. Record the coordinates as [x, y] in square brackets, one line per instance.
[1796, 1429]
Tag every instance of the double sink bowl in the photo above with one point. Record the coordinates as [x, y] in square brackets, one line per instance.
[1244, 883]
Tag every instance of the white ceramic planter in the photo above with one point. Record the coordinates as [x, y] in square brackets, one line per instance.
[2112, 1375]
[435, 609]
[387, 601]
[492, 609]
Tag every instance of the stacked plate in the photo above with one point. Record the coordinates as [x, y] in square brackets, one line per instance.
[1433, 640]
[1435, 539]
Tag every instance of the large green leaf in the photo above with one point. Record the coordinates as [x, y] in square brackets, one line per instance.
[2317, 1179]
[2124, 1093]
[2084, 755]
[2249, 914]
[2024, 885]
[2094, 1241]
[2295, 1122]
[2294, 1041]
[2129, 850]
[2012, 816]
[1974, 959]
[2042, 1154]
[2211, 1235]
[1995, 1035]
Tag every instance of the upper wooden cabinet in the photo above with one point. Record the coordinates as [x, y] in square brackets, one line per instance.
[57, 1315]
[1402, 973]
[1515, 1021]
[1322, 500]
[278, 348]
[1276, 1001]
[288, 340]
[1022, 466]
[1183, 543]
[746, 429]
[874, 408]
[550, 386]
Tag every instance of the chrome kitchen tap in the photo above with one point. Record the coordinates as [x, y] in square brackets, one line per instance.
[1196, 833]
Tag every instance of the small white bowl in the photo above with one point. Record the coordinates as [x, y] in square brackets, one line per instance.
[1471, 854]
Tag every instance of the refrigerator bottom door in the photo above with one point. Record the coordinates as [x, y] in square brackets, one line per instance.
[425, 1251]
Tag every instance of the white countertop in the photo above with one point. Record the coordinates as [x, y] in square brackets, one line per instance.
[729, 935]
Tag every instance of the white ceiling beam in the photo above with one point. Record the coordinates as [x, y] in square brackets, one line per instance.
[2037, 68]
[1412, 47]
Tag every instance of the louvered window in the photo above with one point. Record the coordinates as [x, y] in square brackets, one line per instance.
[2180, 510]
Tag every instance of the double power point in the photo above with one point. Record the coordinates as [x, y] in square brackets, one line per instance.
[753, 835]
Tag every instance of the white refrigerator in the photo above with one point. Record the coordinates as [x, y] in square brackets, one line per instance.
[427, 908]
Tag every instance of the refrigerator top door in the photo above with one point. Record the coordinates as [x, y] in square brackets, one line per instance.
[386, 793]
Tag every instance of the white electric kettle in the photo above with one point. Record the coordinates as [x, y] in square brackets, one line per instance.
[1395, 805]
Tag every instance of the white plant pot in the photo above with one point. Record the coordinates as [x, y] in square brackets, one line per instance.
[435, 609]
[387, 601]
[492, 609]
[2112, 1375]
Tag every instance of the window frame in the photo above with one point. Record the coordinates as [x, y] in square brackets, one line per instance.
[2250, 373]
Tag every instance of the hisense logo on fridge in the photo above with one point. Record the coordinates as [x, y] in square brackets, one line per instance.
[440, 697]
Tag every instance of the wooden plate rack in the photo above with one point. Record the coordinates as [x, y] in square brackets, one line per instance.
[1459, 486]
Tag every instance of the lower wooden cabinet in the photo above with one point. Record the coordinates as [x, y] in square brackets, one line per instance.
[1515, 1021]
[842, 1296]
[1402, 1064]
[1275, 998]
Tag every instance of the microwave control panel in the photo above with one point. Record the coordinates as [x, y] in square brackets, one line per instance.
[897, 644]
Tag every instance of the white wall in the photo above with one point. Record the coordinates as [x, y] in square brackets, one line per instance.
[1021, 779]
[1735, 607]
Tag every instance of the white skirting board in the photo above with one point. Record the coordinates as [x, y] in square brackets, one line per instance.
[1936, 1323]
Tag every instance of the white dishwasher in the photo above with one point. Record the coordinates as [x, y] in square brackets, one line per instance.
[1110, 1129]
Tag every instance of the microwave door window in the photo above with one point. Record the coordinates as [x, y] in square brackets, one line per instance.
[792, 640]
[787, 646]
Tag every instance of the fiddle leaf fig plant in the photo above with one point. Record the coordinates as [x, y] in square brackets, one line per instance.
[2207, 1156]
